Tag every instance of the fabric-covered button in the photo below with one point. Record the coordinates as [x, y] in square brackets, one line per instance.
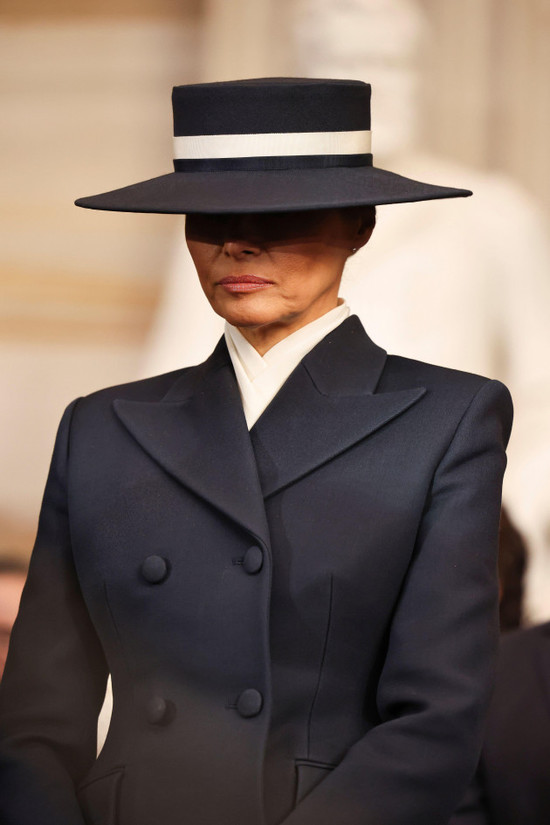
[158, 710]
[250, 702]
[253, 560]
[154, 569]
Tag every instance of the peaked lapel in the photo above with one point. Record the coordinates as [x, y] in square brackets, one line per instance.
[198, 434]
[327, 405]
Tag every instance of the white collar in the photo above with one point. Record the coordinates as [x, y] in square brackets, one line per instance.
[260, 378]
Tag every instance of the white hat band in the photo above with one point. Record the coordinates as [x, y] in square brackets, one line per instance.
[276, 144]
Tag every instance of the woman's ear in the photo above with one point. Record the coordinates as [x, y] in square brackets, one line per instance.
[365, 221]
[363, 235]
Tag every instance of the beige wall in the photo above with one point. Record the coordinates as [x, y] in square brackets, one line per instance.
[488, 99]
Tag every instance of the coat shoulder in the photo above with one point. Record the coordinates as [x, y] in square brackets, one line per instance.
[146, 389]
[451, 392]
[400, 371]
[159, 387]
[92, 412]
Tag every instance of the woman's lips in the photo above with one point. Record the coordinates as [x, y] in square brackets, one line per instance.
[244, 283]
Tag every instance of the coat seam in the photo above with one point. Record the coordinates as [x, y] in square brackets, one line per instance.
[321, 665]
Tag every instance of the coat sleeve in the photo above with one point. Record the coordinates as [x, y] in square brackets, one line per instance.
[433, 691]
[55, 675]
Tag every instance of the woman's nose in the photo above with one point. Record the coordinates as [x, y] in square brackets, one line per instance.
[240, 249]
[240, 239]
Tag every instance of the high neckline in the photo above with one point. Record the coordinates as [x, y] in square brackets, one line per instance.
[260, 377]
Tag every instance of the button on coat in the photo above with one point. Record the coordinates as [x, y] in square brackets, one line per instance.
[158, 710]
[249, 703]
[253, 560]
[155, 569]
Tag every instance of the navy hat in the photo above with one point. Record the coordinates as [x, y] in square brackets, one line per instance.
[266, 145]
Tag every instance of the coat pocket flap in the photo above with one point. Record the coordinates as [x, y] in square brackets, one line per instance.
[308, 774]
[99, 798]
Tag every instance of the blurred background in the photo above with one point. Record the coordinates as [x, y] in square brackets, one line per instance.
[91, 299]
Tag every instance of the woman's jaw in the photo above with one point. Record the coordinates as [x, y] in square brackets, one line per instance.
[269, 275]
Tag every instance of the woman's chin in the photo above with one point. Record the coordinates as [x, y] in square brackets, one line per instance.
[248, 313]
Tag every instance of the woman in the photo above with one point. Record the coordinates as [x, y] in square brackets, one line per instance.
[284, 556]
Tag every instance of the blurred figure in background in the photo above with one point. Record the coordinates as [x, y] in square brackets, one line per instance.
[512, 563]
[490, 293]
[512, 786]
[13, 572]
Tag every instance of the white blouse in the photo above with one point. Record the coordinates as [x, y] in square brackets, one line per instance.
[261, 377]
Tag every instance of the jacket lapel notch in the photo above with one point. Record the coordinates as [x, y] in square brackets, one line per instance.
[198, 435]
[327, 405]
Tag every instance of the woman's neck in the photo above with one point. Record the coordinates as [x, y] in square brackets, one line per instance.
[265, 336]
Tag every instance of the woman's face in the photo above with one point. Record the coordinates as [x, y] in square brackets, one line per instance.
[271, 273]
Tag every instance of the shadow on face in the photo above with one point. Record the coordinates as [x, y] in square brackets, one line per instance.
[279, 228]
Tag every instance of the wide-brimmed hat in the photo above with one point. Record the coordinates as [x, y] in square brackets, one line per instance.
[266, 145]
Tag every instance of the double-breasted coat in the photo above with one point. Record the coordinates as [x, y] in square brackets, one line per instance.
[299, 621]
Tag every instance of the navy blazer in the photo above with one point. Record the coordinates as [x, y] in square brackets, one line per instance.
[299, 621]
[512, 783]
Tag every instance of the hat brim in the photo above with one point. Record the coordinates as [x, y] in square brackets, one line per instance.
[268, 191]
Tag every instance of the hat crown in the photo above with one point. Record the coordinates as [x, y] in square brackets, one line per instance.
[268, 145]
[271, 105]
